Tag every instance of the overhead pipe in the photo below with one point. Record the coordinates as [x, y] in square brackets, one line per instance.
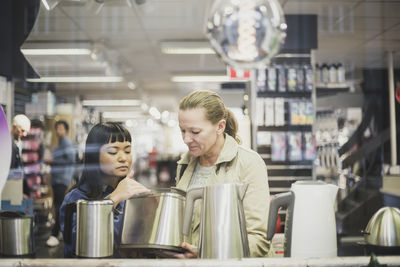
[393, 142]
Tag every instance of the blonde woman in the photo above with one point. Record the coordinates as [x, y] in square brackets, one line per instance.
[215, 156]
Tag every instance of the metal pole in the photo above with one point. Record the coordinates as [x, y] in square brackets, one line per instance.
[253, 98]
[393, 144]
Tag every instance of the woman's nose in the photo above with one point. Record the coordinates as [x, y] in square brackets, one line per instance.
[122, 157]
[187, 138]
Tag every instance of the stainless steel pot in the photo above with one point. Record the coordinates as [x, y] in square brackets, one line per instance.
[383, 229]
[16, 234]
[94, 228]
[154, 220]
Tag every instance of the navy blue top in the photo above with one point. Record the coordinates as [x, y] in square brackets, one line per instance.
[63, 166]
[77, 194]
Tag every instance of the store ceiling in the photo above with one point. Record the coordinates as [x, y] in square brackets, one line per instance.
[356, 32]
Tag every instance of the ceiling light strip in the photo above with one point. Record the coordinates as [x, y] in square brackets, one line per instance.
[288, 55]
[122, 102]
[200, 78]
[55, 51]
[77, 79]
[188, 51]
[122, 115]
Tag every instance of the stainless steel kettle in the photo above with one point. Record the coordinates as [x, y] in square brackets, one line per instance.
[223, 233]
[94, 228]
[154, 220]
[16, 234]
[383, 229]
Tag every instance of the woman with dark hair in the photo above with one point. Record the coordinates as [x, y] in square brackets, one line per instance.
[107, 162]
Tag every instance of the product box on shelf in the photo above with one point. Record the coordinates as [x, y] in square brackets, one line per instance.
[278, 146]
[269, 112]
[300, 78]
[294, 112]
[263, 138]
[310, 146]
[271, 78]
[291, 78]
[281, 78]
[12, 191]
[295, 152]
[279, 104]
[259, 112]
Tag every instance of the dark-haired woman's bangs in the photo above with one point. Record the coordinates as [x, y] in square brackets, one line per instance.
[120, 134]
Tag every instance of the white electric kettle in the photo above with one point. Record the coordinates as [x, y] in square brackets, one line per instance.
[310, 227]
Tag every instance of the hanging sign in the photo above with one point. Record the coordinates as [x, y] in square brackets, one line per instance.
[238, 74]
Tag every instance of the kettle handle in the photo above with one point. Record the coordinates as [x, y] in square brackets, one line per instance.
[191, 196]
[70, 209]
[280, 200]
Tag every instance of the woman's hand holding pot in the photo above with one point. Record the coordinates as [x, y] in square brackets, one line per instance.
[126, 189]
[190, 253]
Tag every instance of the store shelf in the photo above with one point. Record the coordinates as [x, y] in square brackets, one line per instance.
[331, 90]
[284, 128]
[289, 167]
[285, 94]
[290, 178]
[340, 100]
[282, 174]
[276, 190]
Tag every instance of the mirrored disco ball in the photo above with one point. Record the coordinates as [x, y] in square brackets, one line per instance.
[246, 33]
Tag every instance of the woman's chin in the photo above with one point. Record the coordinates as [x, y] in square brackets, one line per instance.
[121, 173]
[194, 153]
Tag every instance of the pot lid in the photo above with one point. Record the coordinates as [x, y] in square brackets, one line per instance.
[174, 191]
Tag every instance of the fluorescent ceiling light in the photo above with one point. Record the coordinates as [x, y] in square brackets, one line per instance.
[122, 102]
[55, 51]
[77, 79]
[188, 51]
[200, 78]
[292, 55]
[122, 115]
[52, 48]
[186, 47]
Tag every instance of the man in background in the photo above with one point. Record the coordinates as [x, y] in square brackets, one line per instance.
[20, 127]
[62, 170]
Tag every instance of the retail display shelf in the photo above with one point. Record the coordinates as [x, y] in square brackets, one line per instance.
[276, 190]
[284, 128]
[339, 100]
[328, 91]
[289, 166]
[265, 155]
[289, 178]
[297, 94]
[289, 162]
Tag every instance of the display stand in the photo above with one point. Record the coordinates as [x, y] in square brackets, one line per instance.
[294, 64]
[284, 120]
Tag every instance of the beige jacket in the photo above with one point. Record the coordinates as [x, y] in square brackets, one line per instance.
[236, 164]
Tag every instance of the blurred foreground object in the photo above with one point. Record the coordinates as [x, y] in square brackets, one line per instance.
[246, 33]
